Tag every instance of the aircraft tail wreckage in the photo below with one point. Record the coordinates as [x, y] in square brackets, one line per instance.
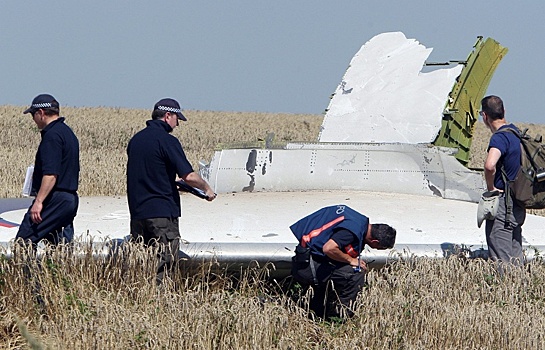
[389, 127]
[394, 145]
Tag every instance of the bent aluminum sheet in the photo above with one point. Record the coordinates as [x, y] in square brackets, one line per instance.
[385, 97]
[242, 229]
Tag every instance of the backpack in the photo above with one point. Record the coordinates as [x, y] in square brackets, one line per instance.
[529, 185]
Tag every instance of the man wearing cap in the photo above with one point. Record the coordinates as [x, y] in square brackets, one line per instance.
[504, 232]
[55, 179]
[155, 158]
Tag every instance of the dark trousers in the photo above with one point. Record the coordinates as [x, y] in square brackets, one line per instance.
[163, 232]
[335, 287]
[58, 213]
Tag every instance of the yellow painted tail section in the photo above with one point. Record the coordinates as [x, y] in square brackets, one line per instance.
[462, 108]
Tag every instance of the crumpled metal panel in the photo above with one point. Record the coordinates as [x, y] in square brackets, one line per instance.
[461, 110]
[384, 96]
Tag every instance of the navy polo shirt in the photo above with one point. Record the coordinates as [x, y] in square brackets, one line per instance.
[58, 154]
[154, 159]
[509, 146]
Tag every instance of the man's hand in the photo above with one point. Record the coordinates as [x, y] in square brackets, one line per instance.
[195, 180]
[211, 195]
[332, 250]
[48, 182]
[359, 265]
[35, 212]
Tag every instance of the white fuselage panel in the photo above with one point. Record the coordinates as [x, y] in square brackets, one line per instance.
[384, 96]
[397, 168]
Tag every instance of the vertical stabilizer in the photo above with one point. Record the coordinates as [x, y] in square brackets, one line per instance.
[384, 97]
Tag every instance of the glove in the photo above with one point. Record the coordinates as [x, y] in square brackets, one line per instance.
[488, 206]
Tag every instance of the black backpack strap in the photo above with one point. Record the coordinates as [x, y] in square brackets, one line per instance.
[508, 199]
[513, 131]
[313, 270]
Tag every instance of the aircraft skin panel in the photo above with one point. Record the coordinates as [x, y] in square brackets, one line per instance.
[397, 168]
[384, 96]
[459, 179]
[242, 228]
[461, 111]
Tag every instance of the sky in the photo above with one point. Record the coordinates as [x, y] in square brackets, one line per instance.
[261, 56]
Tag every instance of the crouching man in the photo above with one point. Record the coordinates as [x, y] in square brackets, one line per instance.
[327, 257]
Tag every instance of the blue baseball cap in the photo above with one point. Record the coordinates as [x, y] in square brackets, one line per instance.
[170, 105]
[42, 101]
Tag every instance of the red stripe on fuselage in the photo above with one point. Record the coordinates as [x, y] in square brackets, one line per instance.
[5, 223]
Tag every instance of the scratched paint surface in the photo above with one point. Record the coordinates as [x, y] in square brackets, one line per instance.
[399, 168]
[384, 96]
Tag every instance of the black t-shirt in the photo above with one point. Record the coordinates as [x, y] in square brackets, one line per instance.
[346, 240]
[58, 154]
[154, 159]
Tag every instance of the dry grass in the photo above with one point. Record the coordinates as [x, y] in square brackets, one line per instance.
[112, 303]
[105, 132]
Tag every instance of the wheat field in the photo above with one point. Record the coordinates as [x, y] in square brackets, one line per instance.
[63, 300]
[105, 132]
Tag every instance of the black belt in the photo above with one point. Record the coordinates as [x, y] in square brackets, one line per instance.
[75, 192]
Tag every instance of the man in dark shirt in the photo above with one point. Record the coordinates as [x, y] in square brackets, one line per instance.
[55, 178]
[328, 257]
[504, 232]
[155, 158]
